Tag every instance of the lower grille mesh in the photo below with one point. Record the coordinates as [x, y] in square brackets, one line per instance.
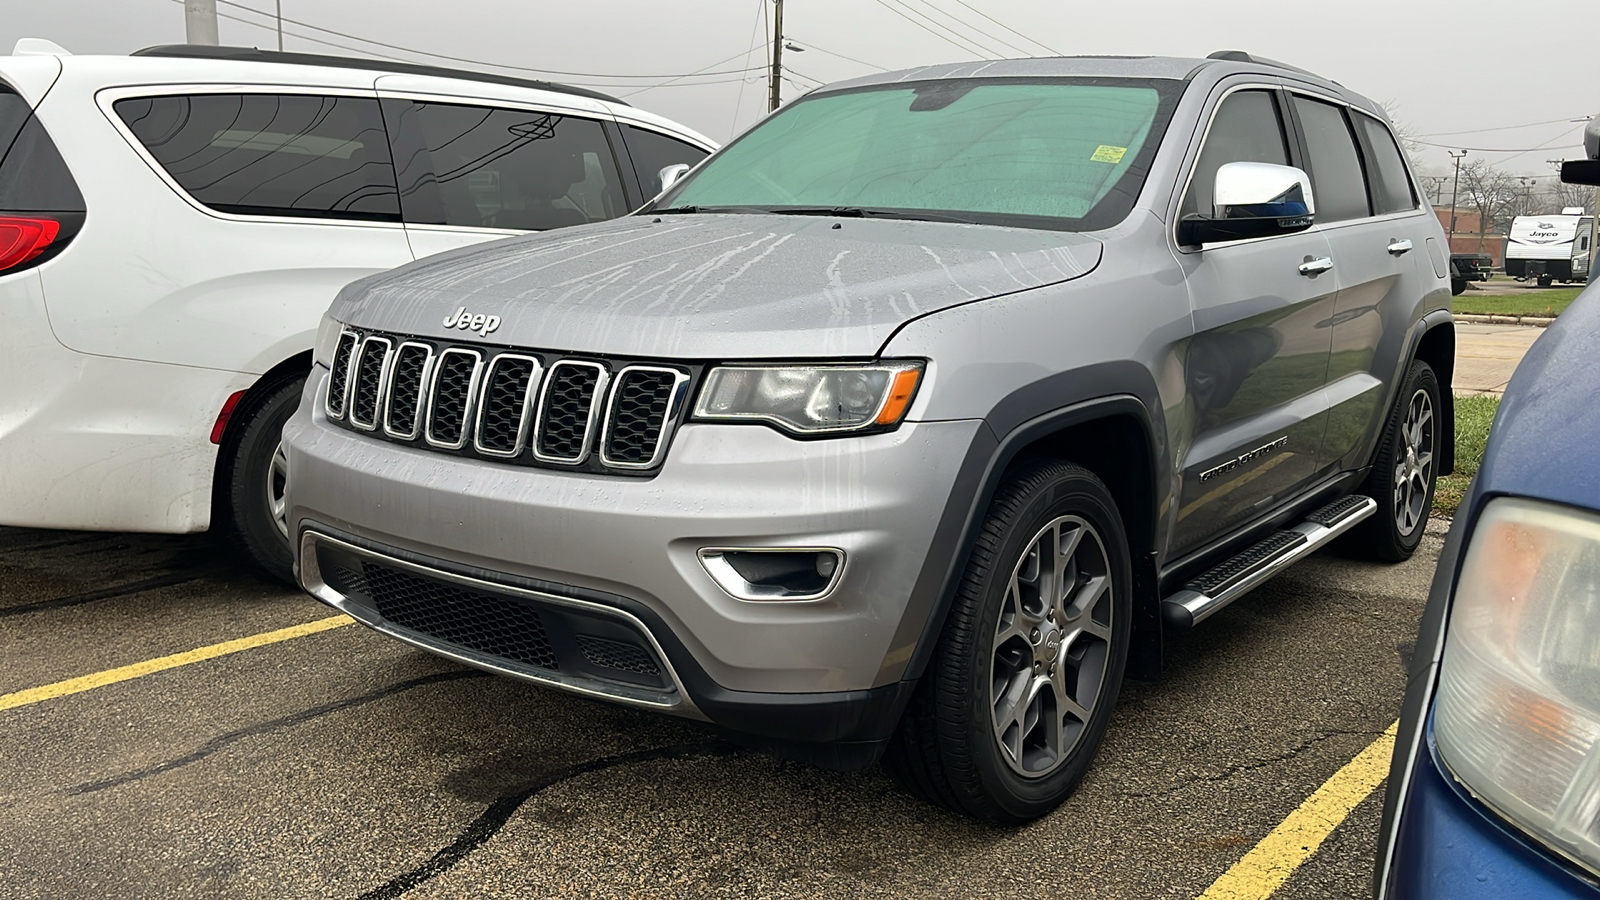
[617, 655]
[455, 615]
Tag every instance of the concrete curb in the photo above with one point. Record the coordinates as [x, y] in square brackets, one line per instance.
[1475, 319]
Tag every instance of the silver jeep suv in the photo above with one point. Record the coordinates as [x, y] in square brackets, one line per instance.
[906, 423]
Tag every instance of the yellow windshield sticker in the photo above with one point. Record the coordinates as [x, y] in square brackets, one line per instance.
[1108, 154]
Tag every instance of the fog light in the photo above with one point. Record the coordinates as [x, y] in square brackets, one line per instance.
[788, 573]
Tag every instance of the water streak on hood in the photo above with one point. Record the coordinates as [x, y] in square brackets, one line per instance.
[708, 286]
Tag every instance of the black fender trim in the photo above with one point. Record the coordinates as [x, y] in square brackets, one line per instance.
[1124, 389]
[1439, 318]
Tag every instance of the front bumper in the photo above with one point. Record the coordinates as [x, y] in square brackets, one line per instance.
[632, 545]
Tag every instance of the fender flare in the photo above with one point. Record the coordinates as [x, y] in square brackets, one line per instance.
[994, 448]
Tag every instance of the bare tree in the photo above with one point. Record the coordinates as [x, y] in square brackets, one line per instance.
[1494, 194]
[1563, 196]
[1409, 140]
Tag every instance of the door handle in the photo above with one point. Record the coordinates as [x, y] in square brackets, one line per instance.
[1311, 268]
[1399, 248]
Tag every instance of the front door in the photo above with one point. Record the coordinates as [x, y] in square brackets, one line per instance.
[1256, 366]
[469, 173]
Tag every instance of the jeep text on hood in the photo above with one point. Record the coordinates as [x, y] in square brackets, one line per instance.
[715, 286]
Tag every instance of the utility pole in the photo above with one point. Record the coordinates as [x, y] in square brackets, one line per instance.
[1455, 190]
[775, 80]
[200, 21]
[280, 26]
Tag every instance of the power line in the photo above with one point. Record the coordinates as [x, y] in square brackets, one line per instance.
[896, 11]
[986, 50]
[459, 59]
[761, 11]
[1517, 150]
[975, 29]
[1502, 127]
[826, 52]
[1019, 34]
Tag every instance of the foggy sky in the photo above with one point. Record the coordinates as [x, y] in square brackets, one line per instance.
[1440, 65]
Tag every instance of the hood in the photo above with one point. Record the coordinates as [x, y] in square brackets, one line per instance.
[1543, 440]
[707, 286]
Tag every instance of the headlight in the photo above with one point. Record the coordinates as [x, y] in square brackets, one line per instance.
[1518, 709]
[811, 399]
[327, 341]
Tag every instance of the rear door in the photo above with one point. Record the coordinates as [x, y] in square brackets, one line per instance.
[474, 171]
[1258, 361]
[1377, 232]
[223, 221]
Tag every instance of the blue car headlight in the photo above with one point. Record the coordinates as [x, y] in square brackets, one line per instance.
[1517, 719]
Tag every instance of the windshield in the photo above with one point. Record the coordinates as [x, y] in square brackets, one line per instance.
[1063, 153]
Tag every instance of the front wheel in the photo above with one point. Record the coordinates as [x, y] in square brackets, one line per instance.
[1404, 474]
[255, 473]
[1020, 690]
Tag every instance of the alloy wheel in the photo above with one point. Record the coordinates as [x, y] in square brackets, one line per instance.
[1052, 646]
[277, 480]
[1413, 465]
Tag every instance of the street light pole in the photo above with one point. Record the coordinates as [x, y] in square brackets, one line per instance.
[200, 21]
[775, 80]
[1455, 190]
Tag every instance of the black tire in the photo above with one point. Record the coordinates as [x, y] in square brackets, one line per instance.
[244, 511]
[948, 749]
[1546, 280]
[1385, 535]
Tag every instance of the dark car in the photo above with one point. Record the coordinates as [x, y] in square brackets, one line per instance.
[1495, 784]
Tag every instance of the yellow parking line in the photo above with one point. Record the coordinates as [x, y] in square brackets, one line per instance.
[160, 664]
[1270, 863]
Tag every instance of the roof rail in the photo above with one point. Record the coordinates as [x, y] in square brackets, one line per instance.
[1241, 56]
[252, 54]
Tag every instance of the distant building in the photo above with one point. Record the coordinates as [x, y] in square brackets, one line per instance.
[1469, 237]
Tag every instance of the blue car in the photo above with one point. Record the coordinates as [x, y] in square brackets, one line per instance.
[1494, 791]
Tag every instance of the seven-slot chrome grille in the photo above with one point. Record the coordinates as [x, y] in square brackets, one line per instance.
[524, 407]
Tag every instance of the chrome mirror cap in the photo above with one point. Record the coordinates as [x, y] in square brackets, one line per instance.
[671, 175]
[1253, 190]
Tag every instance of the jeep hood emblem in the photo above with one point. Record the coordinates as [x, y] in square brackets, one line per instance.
[480, 323]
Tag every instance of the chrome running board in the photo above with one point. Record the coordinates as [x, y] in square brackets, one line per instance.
[1225, 583]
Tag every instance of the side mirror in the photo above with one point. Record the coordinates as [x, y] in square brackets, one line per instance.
[1252, 199]
[1585, 171]
[672, 174]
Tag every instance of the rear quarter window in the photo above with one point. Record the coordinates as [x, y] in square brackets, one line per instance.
[272, 154]
[1391, 188]
[33, 177]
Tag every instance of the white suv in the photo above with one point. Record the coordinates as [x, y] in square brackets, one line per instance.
[174, 223]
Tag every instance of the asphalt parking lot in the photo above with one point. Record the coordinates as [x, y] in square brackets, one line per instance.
[341, 764]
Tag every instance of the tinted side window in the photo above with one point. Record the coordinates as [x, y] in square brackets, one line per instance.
[1246, 128]
[1337, 184]
[33, 177]
[1391, 189]
[270, 154]
[501, 168]
[653, 151]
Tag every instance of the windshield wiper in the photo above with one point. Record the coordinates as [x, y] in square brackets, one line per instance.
[865, 212]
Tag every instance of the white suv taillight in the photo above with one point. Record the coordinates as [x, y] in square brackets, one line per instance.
[1518, 710]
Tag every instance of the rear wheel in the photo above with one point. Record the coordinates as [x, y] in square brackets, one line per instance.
[255, 474]
[1404, 473]
[1020, 690]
